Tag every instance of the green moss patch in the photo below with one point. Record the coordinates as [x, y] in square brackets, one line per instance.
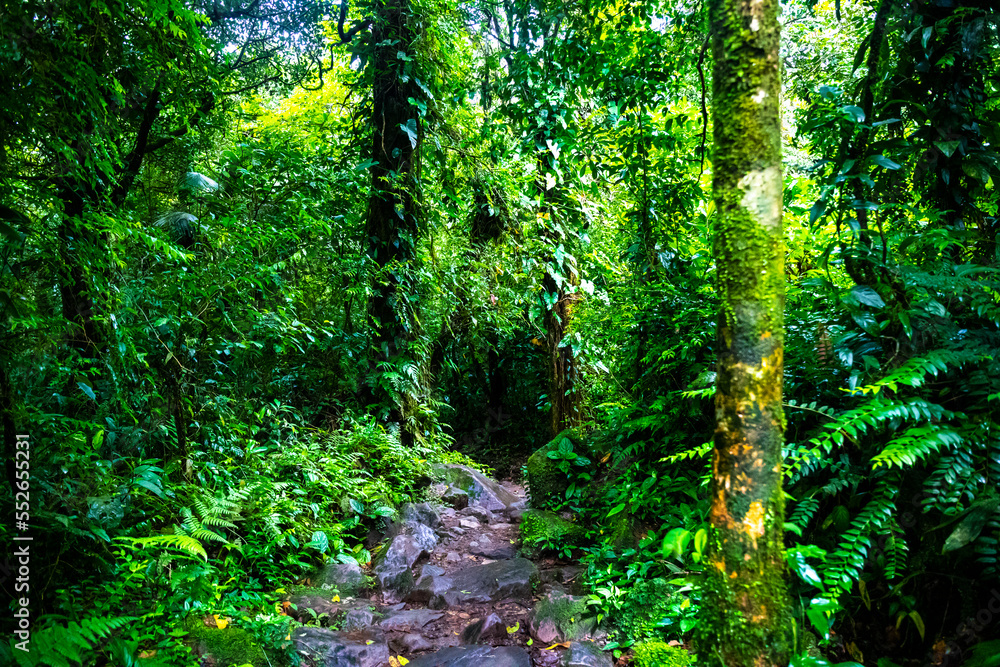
[226, 647]
[661, 654]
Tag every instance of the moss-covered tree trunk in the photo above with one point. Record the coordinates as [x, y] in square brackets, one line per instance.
[747, 622]
[391, 225]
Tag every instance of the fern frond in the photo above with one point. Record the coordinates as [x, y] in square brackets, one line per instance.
[185, 543]
[845, 564]
[69, 645]
[916, 444]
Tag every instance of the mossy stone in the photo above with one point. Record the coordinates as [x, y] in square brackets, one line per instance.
[547, 484]
[661, 654]
[540, 526]
[226, 647]
[560, 617]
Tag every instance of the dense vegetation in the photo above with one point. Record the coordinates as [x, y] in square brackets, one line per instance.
[262, 263]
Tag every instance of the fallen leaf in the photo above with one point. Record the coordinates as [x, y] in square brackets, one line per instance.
[511, 629]
[563, 644]
[403, 661]
[220, 623]
[370, 641]
[335, 598]
[147, 654]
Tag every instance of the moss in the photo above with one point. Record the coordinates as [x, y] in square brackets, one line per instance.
[539, 527]
[228, 647]
[643, 608]
[547, 484]
[661, 654]
[568, 613]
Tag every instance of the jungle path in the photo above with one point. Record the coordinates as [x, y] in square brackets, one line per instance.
[451, 589]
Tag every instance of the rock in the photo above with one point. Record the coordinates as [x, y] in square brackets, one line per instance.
[491, 627]
[480, 513]
[475, 656]
[393, 571]
[484, 540]
[409, 619]
[498, 552]
[366, 648]
[346, 578]
[547, 658]
[559, 616]
[412, 643]
[547, 484]
[357, 619]
[480, 583]
[432, 570]
[501, 526]
[395, 607]
[471, 524]
[424, 513]
[482, 491]
[516, 513]
[453, 557]
[455, 497]
[544, 526]
[585, 654]
[449, 512]
[458, 531]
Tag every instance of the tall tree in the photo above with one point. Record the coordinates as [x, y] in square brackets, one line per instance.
[745, 583]
[391, 225]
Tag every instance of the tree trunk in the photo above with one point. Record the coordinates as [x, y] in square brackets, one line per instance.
[391, 223]
[745, 598]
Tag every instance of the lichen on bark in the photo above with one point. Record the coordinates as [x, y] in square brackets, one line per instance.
[746, 620]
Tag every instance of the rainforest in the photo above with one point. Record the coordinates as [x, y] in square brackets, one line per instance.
[500, 333]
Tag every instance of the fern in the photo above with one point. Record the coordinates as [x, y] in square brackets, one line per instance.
[186, 543]
[845, 564]
[67, 646]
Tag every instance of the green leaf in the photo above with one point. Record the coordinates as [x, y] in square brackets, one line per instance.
[867, 296]
[883, 161]
[411, 130]
[615, 510]
[87, 391]
[947, 147]
[857, 112]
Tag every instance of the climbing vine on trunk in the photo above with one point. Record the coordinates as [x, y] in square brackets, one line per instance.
[745, 584]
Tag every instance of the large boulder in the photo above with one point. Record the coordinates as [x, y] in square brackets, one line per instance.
[547, 483]
[423, 513]
[481, 490]
[475, 656]
[346, 578]
[413, 542]
[559, 617]
[480, 583]
[539, 527]
[326, 648]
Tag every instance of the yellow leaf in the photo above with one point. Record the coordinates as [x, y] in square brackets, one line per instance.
[511, 629]
[393, 662]
[530, 641]
[220, 623]
[370, 641]
[403, 661]
[686, 603]
[336, 598]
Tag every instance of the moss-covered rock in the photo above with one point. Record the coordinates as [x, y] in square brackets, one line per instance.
[547, 483]
[559, 616]
[224, 647]
[661, 654]
[542, 527]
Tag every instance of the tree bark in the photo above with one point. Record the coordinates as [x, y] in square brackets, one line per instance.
[391, 222]
[747, 622]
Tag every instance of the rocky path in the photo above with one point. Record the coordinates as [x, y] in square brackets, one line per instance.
[449, 590]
